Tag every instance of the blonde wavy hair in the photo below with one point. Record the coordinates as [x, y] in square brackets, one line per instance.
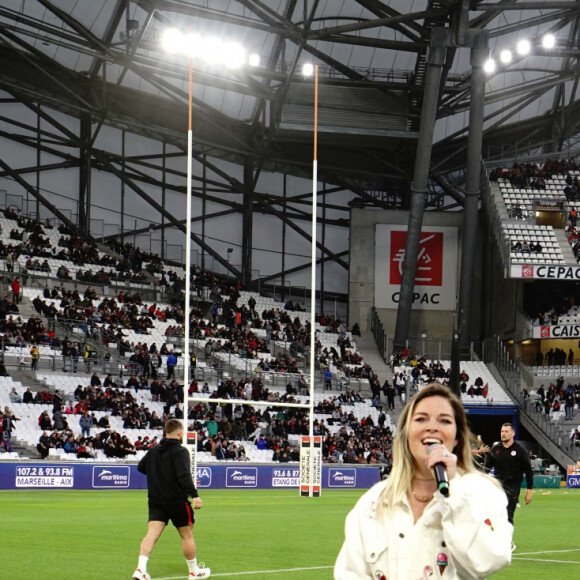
[399, 481]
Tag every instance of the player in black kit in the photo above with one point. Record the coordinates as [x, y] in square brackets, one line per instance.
[170, 485]
[510, 462]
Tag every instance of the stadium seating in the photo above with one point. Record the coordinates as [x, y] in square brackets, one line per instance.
[496, 394]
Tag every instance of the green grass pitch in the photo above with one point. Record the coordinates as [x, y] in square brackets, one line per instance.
[67, 535]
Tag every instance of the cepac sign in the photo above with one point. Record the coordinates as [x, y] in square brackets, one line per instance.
[242, 477]
[342, 477]
[429, 260]
[111, 477]
[557, 331]
[546, 272]
[436, 273]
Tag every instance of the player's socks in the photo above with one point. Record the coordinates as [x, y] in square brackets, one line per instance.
[192, 565]
[143, 563]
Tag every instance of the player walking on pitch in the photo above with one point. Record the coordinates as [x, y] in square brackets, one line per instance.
[170, 485]
[511, 462]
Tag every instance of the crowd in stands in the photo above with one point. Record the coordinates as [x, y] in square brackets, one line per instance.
[111, 443]
[235, 336]
[30, 240]
[545, 302]
[367, 442]
[534, 176]
[222, 428]
[526, 247]
[557, 397]
[17, 332]
[412, 370]
[230, 329]
[555, 357]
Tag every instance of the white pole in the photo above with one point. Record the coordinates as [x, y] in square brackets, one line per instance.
[313, 278]
[313, 296]
[186, 356]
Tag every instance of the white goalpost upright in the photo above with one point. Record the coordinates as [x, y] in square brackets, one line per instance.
[191, 445]
[311, 446]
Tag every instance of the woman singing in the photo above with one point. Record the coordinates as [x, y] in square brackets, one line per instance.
[405, 529]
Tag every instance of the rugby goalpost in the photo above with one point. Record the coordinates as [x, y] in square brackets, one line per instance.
[310, 480]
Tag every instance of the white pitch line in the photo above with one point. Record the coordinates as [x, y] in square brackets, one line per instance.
[546, 552]
[516, 556]
[249, 573]
[547, 560]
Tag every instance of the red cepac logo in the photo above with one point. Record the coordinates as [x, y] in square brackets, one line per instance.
[527, 271]
[429, 261]
[545, 331]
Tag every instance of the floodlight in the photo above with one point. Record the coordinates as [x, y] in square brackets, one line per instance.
[549, 41]
[523, 47]
[193, 45]
[172, 40]
[214, 51]
[489, 66]
[505, 56]
[308, 69]
[234, 55]
[254, 60]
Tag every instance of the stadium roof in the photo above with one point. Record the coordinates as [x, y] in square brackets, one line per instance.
[105, 59]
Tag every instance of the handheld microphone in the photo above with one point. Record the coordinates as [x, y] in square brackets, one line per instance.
[440, 472]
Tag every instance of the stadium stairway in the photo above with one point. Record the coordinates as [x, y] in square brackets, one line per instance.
[566, 248]
[26, 308]
[567, 427]
[369, 351]
[28, 379]
[500, 203]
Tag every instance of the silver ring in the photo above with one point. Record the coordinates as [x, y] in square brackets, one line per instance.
[446, 454]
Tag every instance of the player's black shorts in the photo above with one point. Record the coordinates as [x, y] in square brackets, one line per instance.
[179, 512]
[513, 497]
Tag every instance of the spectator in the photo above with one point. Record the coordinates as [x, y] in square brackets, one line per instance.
[16, 290]
[44, 445]
[171, 362]
[44, 421]
[58, 420]
[327, 380]
[6, 446]
[34, 357]
[9, 423]
[85, 423]
[85, 450]
[104, 422]
[14, 396]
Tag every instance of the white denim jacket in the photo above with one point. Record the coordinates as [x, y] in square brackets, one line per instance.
[464, 536]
